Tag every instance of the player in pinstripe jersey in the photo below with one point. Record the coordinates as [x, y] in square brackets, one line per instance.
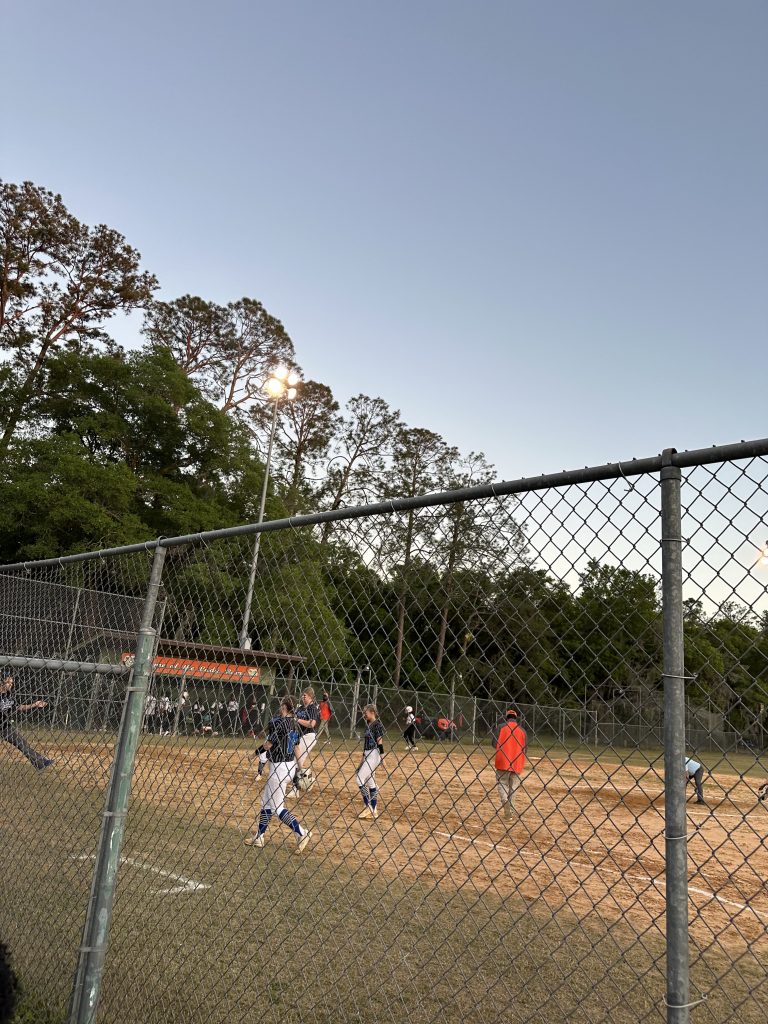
[308, 719]
[280, 745]
[373, 751]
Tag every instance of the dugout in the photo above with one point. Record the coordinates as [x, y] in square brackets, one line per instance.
[212, 676]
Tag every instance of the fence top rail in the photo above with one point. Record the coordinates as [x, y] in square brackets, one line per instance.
[589, 474]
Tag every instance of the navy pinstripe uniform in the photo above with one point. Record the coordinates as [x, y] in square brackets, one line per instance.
[10, 735]
[282, 735]
[307, 732]
[373, 748]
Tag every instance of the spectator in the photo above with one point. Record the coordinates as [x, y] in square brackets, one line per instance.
[149, 712]
[233, 713]
[165, 708]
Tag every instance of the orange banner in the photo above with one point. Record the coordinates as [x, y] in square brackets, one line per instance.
[219, 671]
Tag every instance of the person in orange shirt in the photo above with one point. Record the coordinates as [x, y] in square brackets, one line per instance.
[510, 761]
[326, 713]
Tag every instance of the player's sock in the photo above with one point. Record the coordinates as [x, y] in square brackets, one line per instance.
[374, 797]
[364, 794]
[291, 821]
[264, 821]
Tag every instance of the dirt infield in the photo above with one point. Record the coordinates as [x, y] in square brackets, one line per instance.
[437, 912]
[587, 835]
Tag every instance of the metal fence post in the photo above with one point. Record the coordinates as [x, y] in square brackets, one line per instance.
[355, 702]
[90, 967]
[676, 848]
[67, 651]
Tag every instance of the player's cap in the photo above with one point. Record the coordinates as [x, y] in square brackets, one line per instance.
[409, 710]
[511, 713]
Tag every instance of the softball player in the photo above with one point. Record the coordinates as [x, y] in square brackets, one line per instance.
[308, 719]
[280, 743]
[373, 751]
[7, 731]
[409, 735]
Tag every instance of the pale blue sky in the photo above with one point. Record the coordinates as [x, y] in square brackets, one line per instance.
[538, 228]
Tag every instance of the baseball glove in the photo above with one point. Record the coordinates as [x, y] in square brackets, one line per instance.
[762, 792]
[304, 780]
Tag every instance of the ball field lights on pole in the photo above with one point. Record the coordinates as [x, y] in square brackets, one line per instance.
[280, 384]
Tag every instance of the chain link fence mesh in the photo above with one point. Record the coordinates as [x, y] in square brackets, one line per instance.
[456, 897]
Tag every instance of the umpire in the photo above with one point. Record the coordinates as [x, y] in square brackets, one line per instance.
[7, 731]
[695, 773]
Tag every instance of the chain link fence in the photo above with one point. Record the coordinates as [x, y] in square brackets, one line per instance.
[611, 868]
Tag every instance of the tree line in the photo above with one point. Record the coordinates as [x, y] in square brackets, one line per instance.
[102, 446]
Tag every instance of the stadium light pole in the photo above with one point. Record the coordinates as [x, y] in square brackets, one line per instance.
[281, 384]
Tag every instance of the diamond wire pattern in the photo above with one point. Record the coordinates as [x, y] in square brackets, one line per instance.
[50, 815]
[725, 523]
[441, 907]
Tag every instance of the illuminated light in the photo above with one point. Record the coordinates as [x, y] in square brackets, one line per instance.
[764, 554]
[274, 387]
[293, 379]
[281, 373]
[291, 393]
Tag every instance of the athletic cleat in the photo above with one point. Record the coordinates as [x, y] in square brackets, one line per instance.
[375, 813]
[366, 813]
[45, 763]
[257, 841]
[508, 813]
[303, 841]
[414, 749]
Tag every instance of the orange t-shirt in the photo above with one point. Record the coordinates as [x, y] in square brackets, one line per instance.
[325, 710]
[510, 749]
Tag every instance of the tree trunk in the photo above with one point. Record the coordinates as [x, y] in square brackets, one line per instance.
[25, 393]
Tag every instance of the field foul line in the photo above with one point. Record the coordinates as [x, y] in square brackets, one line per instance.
[186, 884]
[608, 871]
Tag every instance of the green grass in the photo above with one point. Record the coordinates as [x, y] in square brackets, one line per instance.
[312, 939]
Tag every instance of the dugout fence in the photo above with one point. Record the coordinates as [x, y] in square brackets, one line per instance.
[620, 611]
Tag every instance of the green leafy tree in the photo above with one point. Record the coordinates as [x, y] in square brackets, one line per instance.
[362, 442]
[60, 282]
[421, 461]
[229, 351]
[614, 638]
[130, 450]
[305, 427]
